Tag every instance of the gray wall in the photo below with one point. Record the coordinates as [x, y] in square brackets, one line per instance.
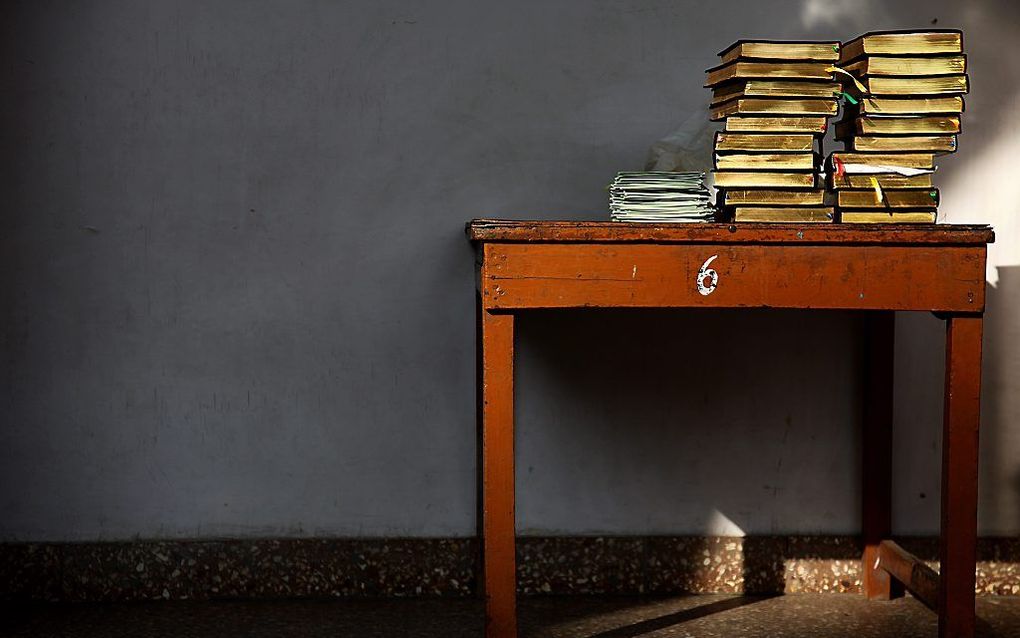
[237, 298]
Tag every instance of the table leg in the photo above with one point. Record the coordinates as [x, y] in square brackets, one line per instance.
[499, 575]
[958, 548]
[876, 445]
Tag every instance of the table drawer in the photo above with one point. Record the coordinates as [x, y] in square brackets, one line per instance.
[537, 275]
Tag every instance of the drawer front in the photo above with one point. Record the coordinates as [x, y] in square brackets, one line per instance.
[944, 278]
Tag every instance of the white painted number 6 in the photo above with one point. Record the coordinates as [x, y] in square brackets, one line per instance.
[707, 273]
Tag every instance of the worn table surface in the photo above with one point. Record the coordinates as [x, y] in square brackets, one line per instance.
[485, 230]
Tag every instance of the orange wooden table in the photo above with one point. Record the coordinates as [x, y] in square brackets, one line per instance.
[880, 269]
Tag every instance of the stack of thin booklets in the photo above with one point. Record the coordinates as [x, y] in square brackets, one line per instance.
[660, 197]
[776, 98]
[909, 86]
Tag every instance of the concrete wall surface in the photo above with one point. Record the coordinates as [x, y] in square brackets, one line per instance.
[238, 300]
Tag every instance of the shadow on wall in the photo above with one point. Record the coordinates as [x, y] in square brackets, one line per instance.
[999, 498]
[705, 421]
[977, 186]
[722, 420]
[733, 422]
[917, 435]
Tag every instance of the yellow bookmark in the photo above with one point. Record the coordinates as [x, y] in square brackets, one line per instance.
[878, 189]
[857, 83]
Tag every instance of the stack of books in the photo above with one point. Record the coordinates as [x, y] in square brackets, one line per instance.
[775, 98]
[909, 87]
[660, 197]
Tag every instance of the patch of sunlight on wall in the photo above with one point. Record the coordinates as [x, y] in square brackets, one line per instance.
[832, 13]
[985, 189]
[718, 524]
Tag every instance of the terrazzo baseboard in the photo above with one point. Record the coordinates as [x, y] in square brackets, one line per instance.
[324, 568]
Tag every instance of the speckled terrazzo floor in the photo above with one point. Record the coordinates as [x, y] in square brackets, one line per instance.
[709, 616]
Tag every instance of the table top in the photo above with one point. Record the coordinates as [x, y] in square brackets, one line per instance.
[502, 230]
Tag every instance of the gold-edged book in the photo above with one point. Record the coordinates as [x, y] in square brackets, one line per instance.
[773, 197]
[774, 106]
[764, 179]
[790, 70]
[774, 88]
[915, 199]
[758, 124]
[804, 142]
[793, 214]
[950, 104]
[906, 160]
[885, 181]
[902, 143]
[767, 161]
[865, 125]
[929, 85]
[899, 217]
[902, 43]
[905, 66]
[772, 50]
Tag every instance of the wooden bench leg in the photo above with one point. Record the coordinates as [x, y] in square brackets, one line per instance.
[876, 445]
[958, 549]
[499, 576]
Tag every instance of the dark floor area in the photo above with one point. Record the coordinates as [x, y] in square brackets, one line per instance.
[791, 616]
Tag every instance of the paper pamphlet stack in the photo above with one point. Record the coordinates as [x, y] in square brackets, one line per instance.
[660, 197]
